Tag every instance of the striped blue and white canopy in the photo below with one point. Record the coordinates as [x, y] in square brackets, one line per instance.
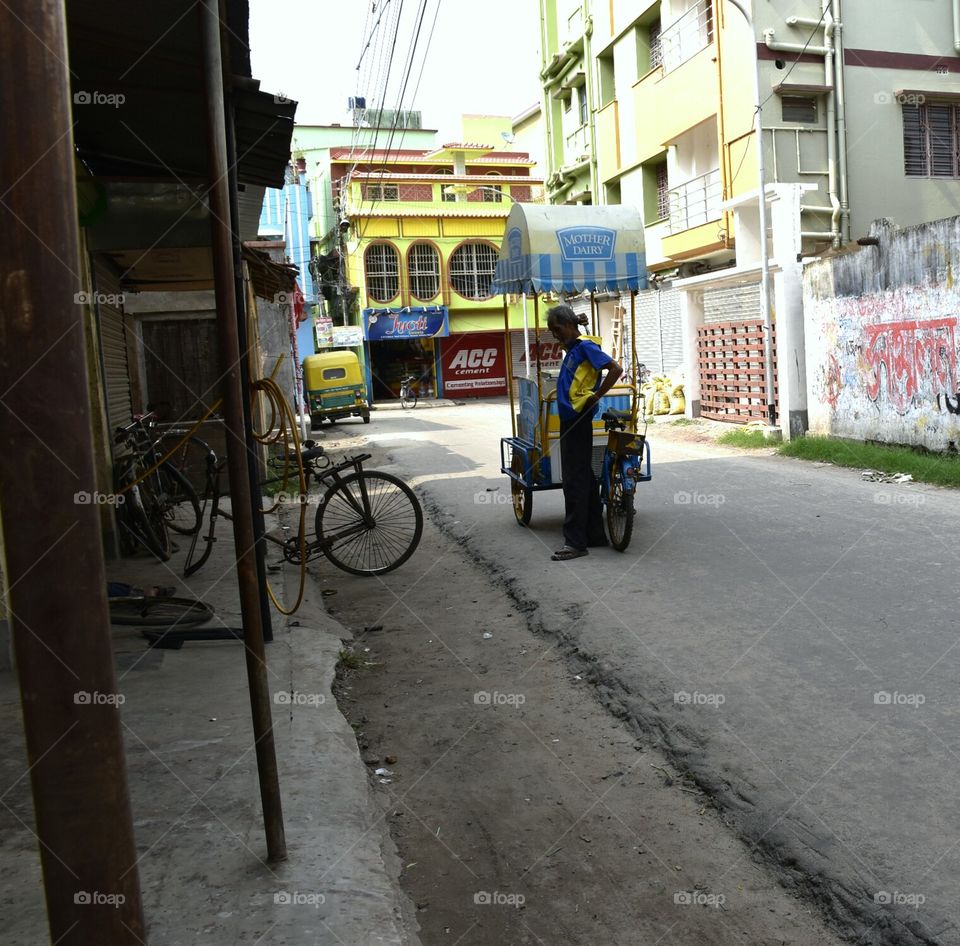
[571, 249]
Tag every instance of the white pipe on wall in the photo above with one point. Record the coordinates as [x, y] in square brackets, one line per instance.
[956, 25]
[829, 64]
[768, 38]
[842, 121]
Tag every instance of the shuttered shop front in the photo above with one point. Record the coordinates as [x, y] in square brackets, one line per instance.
[731, 304]
[113, 346]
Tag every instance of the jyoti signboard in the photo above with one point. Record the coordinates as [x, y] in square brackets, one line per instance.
[474, 364]
[381, 325]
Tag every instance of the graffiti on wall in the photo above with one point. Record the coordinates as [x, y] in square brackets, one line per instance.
[910, 362]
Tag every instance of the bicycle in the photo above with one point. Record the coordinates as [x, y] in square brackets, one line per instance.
[622, 469]
[156, 496]
[367, 522]
[408, 393]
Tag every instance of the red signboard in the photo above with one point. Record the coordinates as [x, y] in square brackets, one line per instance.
[474, 364]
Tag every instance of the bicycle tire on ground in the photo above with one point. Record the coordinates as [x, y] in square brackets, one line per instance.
[378, 546]
[408, 402]
[159, 612]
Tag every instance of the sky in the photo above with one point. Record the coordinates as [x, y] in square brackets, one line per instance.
[482, 57]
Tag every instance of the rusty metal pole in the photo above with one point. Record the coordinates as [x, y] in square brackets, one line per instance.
[244, 534]
[54, 555]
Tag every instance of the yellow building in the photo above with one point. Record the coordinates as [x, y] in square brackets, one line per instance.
[421, 234]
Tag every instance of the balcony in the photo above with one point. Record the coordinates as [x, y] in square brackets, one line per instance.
[685, 37]
[696, 202]
[576, 145]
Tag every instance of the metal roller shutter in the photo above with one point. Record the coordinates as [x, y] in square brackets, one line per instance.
[671, 329]
[659, 344]
[113, 345]
[731, 304]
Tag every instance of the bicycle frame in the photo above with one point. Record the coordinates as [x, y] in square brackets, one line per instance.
[329, 474]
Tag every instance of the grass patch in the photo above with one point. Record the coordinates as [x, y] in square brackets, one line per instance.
[924, 467]
[751, 439]
[350, 660]
[683, 422]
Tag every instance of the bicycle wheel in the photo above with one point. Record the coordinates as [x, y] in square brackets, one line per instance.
[189, 459]
[181, 507]
[620, 512]
[140, 521]
[159, 612]
[521, 496]
[369, 523]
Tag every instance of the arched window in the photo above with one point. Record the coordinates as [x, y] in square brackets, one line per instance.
[471, 269]
[382, 263]
[423, 268]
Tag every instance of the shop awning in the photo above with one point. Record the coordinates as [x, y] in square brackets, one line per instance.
[571, 249]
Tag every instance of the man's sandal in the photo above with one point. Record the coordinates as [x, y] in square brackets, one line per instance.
[567, 553]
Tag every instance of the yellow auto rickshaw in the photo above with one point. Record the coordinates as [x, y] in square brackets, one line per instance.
[334, 387]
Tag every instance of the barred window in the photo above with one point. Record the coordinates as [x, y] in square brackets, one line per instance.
[471, 269]
[382, 264]
[663, 192]
[423, 268]
[381, 192]
[930, 140]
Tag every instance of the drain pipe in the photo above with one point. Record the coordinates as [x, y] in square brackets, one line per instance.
[956, 25]
[829, 81]
[842, 117]
[768, 353]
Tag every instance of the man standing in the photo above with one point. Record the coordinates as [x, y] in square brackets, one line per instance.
[579, 390]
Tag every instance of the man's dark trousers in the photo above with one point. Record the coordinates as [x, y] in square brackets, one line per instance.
[583, 523]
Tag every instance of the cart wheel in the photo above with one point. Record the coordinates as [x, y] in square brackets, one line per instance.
[522, 496]
[620, 512]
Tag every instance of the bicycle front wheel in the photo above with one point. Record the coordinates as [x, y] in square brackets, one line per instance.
[620, 512]
[408, 401]
[369, 523]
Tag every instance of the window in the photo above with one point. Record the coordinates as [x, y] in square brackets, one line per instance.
[799, 108]
[582, 103]
[381, 192]
[608, 80]
[663, 192]
[566, 103]
[382, 264]
[930, 140]
[656, 51]
[471, 269]
[423, 268]
[492, 193]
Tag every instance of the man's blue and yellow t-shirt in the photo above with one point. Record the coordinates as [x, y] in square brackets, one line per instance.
[580, 376]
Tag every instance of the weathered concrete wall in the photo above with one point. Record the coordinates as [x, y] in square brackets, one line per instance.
[882, 338]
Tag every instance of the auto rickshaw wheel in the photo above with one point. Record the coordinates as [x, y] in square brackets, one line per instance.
[521, 495]
[620, 512]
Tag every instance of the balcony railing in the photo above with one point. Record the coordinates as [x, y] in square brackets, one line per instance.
[685, 37]
[696, 202]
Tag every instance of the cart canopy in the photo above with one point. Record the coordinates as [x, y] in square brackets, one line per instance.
[571, 249]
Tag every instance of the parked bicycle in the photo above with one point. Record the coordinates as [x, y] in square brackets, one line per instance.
[156, 496]
[367, 522]
[408, 393]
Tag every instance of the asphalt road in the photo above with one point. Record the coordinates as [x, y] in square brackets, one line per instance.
[788, 631]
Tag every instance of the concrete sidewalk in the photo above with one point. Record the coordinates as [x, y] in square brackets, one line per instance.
[195, 795]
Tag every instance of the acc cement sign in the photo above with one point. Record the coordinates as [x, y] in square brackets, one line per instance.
[578, 244]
